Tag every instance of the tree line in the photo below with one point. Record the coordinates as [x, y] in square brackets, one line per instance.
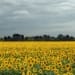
[21, 37]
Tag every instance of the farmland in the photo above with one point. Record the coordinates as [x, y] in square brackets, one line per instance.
[37, 58]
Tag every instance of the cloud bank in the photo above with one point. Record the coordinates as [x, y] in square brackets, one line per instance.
[36, 17]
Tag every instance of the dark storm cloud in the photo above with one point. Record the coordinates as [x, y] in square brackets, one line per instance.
[32, 17]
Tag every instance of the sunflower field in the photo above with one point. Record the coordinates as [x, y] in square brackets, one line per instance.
[37, 58]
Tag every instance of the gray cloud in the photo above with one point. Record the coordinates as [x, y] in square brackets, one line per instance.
[34, 17]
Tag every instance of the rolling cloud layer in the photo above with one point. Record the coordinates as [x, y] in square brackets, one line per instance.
[36, 17]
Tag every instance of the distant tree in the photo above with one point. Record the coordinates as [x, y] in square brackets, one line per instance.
[9, 38]
[46, 37]
[20, 37]
[17, 37]
[1, 39]
[60, 37]
[72, 38]
[38, 38]
[26, 38]
[52, 38]
[68, 37]
[5, 38]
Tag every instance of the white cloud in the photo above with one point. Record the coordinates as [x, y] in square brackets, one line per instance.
[21, 12]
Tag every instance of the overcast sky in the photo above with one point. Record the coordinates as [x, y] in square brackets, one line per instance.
[36, 17]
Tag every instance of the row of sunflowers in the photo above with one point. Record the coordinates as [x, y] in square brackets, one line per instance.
[37, 59]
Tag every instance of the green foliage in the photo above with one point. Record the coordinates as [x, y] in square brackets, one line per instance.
[10, 72]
